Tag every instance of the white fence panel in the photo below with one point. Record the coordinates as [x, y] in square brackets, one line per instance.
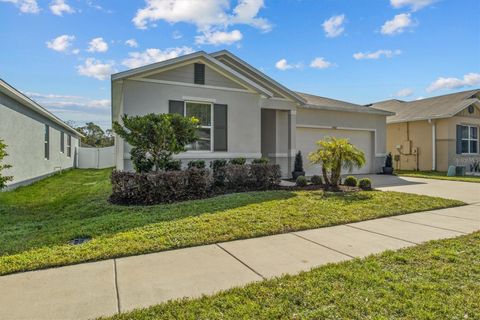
[96, 158]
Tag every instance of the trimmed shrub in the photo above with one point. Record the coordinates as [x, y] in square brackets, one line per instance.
[316, 180]
[365, 184]
[301, 181]
[198, 182]
[238, 177]
[199, 164]
[218, 173]
[194, 183]
[238, 161]
[174, 165]
[262, 160]
[350, 181]
[218, 163]
[265, 176]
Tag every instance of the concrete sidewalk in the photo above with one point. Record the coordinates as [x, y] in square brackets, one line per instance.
[104, 288]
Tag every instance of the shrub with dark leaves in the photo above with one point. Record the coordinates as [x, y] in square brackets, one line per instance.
[238, 161]
[316, 180]
[199, 164]
[301, 181]
[173, 165]
[238, 177]
[365, 184]
[350, 181]
[218, 172]
[262, 160]
[265, 176]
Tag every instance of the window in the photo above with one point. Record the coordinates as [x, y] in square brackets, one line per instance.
[469, 139]
[47, 142]
[199, 73]
[69, 146]
[62, 142]
[203, 112]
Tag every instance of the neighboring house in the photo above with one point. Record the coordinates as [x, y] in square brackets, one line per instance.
[433, 133]
[39, 143]
[243, 112]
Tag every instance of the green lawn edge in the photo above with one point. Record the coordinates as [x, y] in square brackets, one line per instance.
[35, 228]
[436, 280]
[436, 175]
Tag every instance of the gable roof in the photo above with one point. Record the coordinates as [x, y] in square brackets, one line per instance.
[444, 106]
[18, 96]
[292, 94]
[317, 102]
[192, 56]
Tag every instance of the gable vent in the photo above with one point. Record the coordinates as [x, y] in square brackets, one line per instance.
[199, 74]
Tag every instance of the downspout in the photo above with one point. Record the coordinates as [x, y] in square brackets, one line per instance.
[434, 144]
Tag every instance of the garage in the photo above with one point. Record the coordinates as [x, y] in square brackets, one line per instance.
[362, 139]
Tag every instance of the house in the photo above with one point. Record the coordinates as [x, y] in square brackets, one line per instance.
[434, 133]
[39, 143]
[243, 112]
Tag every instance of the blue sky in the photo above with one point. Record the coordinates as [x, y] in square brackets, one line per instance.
[61, 52]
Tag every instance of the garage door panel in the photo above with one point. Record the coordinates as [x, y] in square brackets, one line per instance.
[307, 138]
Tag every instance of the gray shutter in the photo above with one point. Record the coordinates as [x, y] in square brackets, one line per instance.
[220, 127]
[175, 107]
[459, 139]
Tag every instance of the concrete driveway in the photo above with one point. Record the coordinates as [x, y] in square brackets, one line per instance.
[467, 192]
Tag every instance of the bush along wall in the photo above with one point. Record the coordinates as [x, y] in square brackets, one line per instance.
[193, 183]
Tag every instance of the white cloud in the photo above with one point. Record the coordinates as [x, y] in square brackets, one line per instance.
[469, 80]
[65, 101]
[413, 4]
[138, 59]
[246, 13]
[219, 37]
[205, 14]
[320, 63]
[61, 43]
[132, 43]
[25, 6]
[403, 93]
[97, 45]
[333, 27]
[376, 55]
[397, 25]
[282, 64]
[177, 35]
[96, 69]
[59, 7]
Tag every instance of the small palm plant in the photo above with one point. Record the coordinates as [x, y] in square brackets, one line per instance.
[334, 154]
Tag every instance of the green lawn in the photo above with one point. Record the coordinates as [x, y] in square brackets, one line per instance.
[436, 280]
[37, 222]
[436, 175]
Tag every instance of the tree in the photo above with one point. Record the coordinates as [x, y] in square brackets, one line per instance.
[3, 154]
[156, 137]
[334, 154]
[94, 136]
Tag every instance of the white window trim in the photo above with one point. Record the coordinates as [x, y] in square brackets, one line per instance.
[202, 127]
[69, 146]
[469, 139]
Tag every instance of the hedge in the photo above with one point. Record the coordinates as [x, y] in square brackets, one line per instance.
[193, 183]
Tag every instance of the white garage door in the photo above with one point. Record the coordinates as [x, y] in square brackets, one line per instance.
[306, 138]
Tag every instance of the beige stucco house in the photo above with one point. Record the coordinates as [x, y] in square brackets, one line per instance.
[243, 112]
[433, 133]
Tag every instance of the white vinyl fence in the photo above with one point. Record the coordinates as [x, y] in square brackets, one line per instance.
[96, 158]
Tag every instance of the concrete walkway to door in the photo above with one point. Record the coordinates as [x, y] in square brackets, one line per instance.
[90, 290]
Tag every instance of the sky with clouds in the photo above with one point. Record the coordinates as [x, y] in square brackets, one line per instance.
[62, 52]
